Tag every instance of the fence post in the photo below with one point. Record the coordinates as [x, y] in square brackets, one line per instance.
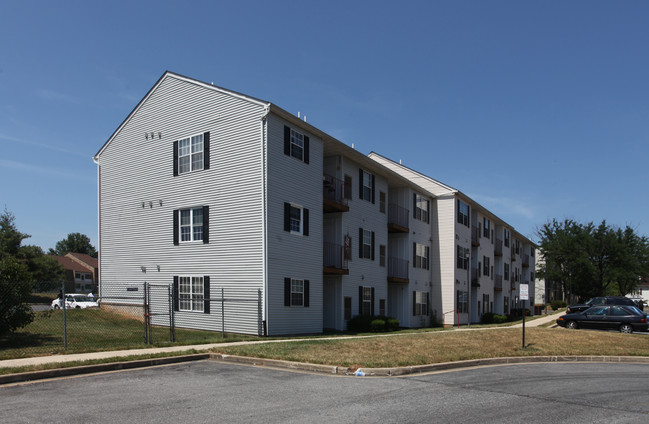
[172, 333]
[65, 324]
[259, 323]
[222, 312]
[144, 310]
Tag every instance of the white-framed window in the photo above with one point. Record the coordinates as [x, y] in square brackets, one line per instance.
[382, 255]
[297, 145]
[421, 303]
[297, 292]
[507, 235]
[296, 219]
[420, 259]
[462, 213]
[191, 224]
[190, 154]
[421, 208]
[366, 188]
[485, 303]
[462, 301]
[382, 201]
[486, 228]
[517, 243]
[367, 244]
[366, 304]
[506, 276]
[486, 265]
[506, 305]
[462, 257]
[191, 293]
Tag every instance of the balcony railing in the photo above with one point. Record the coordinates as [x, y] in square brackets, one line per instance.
[475, 236]
[498, 283]
[525, 258]
[333, 193]
[498, 247]
[398, 269]
[334, 261]
[398, 219]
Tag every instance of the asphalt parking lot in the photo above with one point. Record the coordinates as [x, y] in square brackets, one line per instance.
[211, 392]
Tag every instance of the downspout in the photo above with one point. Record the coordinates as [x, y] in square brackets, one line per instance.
[95, 159]
[264, 218]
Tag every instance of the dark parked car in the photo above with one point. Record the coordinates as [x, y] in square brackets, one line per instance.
[624, 318]
[596, 301]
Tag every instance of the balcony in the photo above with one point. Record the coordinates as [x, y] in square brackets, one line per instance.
[498, 283]
[498, 247]
[475, 236]
[525, 258]
[398, 219]
[334, 262]
[333, 194]
[398, 270]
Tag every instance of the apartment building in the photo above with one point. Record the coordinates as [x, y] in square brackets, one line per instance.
[239, 194]
[479, 260]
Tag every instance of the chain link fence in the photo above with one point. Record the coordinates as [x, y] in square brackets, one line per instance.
[129, 315]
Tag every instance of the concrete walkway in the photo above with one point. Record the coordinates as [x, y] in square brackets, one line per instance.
[54, 359]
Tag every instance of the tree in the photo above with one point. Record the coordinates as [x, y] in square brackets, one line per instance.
[15, 289]
[10, 237]
[591, 260]
[75, 243]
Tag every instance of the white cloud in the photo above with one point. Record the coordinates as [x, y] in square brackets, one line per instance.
[43, 170]
[8, 138]
[512, 206]
[48, 94]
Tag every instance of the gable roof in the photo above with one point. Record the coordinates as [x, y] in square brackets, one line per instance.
[83, 259]
[440, 189]
[165, 76]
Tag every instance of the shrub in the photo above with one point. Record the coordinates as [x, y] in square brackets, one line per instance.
[499, 319]
[371, 323]
[487, 318]
[556, 304]
[377, 326]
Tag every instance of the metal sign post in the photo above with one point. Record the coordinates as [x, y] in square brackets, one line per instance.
[524, 289]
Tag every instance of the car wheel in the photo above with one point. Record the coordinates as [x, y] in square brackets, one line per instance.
[78, 307]
[572, 325]
[626, 328]
[57, 307]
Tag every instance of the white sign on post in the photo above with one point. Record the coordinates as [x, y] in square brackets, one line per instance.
[524, 289]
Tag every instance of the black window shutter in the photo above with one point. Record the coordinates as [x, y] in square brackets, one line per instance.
[414, 255]
[373, 189]
[287, 216]
[287, 292]
[306, 293]
[427, 257]
[176, 158]
[175, 222]
[206, 150]
[306, 149]
[360, 183]
[360, 300]
[206, 294]
[206, 224]
[428, 302]
[305, 223]
[414, 205]
[372, 254]
[414, 303]
[287, 140]
[360, 242]
[175, 294]
[372, 307]
[429, 211]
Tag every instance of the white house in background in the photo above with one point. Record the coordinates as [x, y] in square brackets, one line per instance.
[205, 188]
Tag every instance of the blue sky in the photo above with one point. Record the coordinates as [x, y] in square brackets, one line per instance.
[537, 110]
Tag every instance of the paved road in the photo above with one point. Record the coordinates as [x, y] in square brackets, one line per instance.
[210, 392]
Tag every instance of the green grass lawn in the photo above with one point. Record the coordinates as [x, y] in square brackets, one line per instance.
[91, 330]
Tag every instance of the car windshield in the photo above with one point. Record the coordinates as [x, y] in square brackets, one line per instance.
[597, 310]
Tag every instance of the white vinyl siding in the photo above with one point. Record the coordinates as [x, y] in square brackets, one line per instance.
[135, 238]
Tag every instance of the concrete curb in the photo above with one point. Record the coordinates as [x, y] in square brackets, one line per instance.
[89, 369]
[418, 369]
[311, 368]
